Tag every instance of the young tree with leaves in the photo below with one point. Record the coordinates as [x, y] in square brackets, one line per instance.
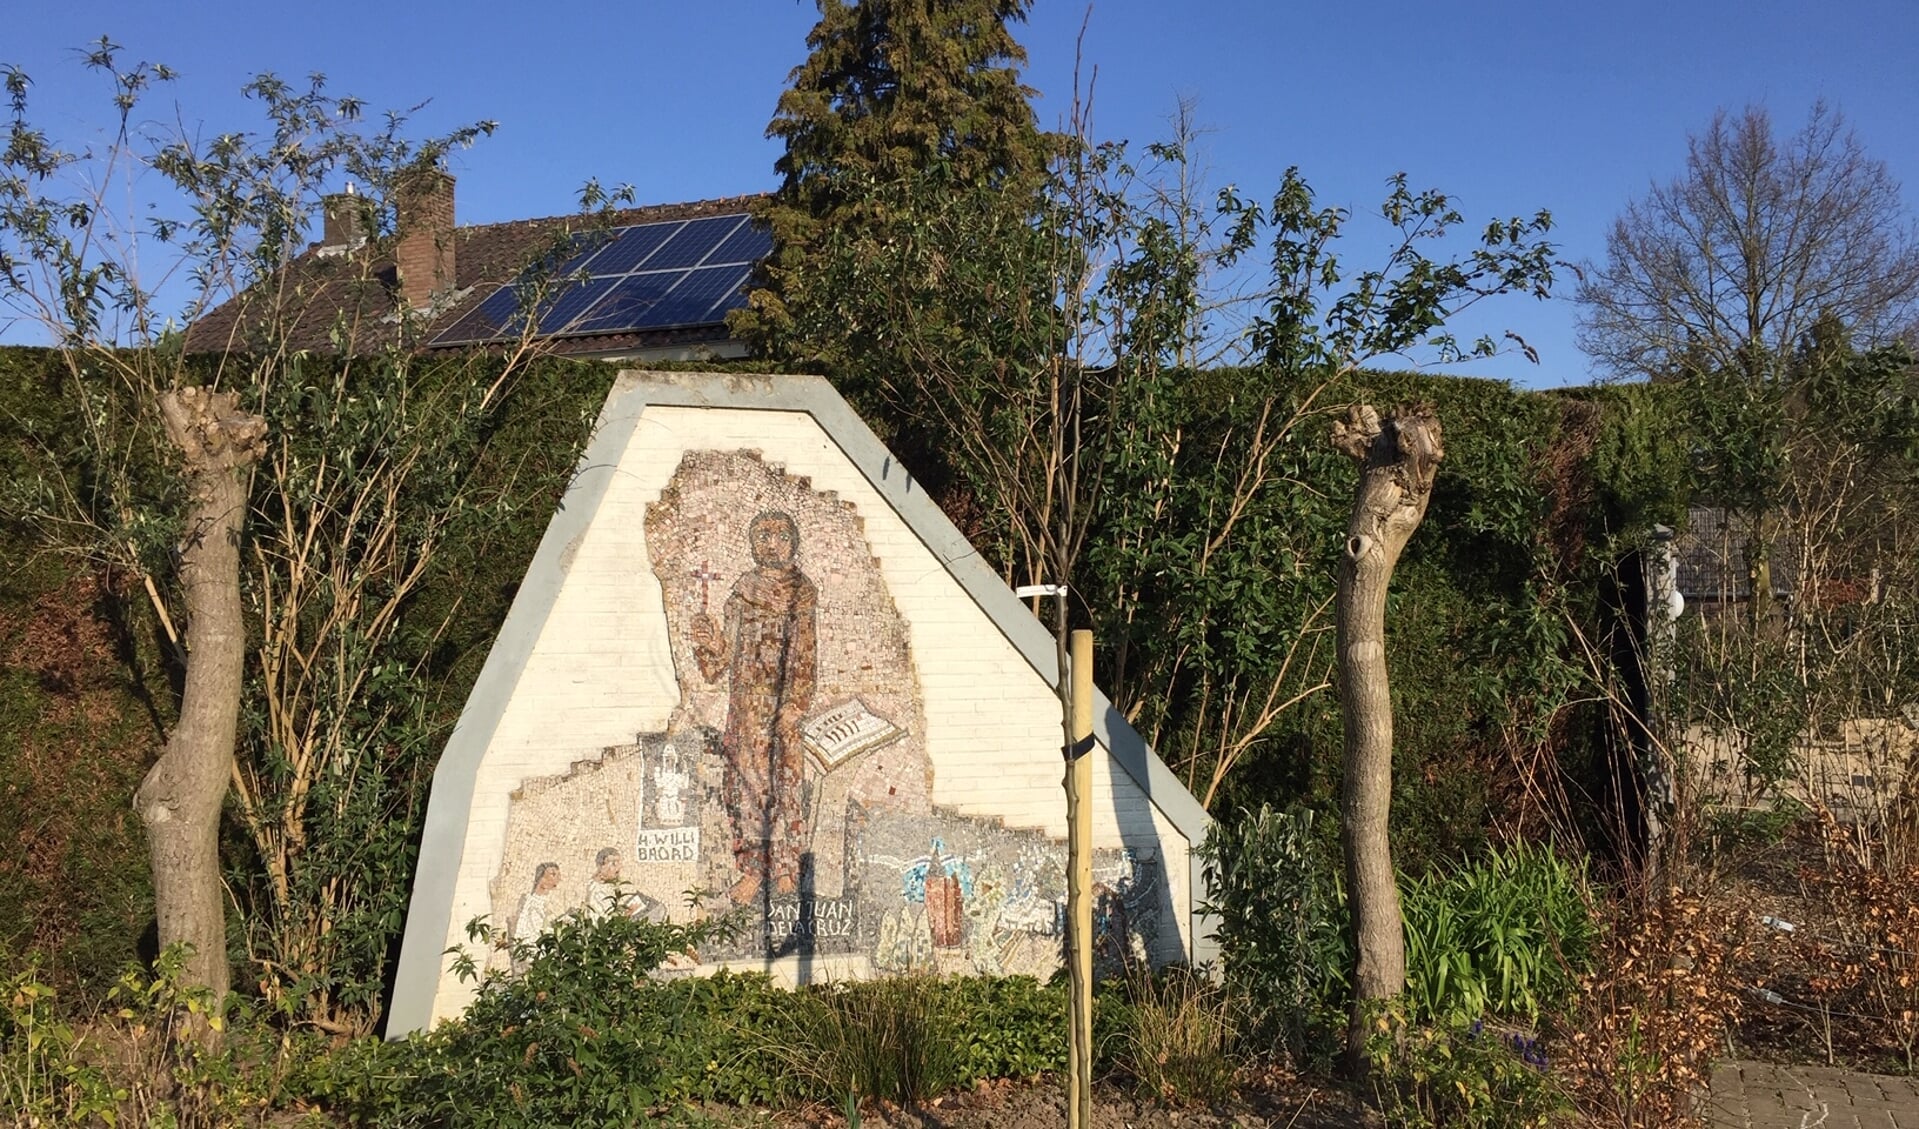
[113, 298]
[1320, 323]
[1050, 345]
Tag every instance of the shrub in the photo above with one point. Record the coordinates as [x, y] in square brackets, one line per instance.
[1863, 940]
[1282, 927]
[44, 1077]
[591, 1034]
[1010, 1026]
[158, 1054]
[587, 1034]
[1461, 1077]
[909, 1039]
[1637, 1042]
[897, 1040]
[1508, 935]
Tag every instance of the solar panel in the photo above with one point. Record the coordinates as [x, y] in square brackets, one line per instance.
[665, 275]
[629, 248]
[692, 301]
[570, 302]
[749, 243]
[630, 304]
[734, 299]
[692, 244]
[486, 321]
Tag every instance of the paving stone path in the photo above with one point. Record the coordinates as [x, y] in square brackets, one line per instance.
[1758, 1095]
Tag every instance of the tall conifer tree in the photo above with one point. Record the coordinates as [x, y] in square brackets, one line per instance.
[907, 115]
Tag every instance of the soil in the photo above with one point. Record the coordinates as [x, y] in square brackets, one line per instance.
[1786, 1018]
[1285, 1103]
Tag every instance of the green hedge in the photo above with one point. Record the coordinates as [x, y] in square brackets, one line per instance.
[1534, 496]
[1537, 498]
[88, 689]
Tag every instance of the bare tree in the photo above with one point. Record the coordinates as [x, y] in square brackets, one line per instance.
[1728, 265]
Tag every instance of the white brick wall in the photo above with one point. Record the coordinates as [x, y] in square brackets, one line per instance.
[600, 671]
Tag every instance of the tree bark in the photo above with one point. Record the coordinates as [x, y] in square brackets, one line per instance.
[1397, 461]
[180, 799]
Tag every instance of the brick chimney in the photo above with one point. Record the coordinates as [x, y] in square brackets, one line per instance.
[423, 254]
[342, 220]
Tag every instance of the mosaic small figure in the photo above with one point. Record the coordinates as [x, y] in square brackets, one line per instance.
[983, 940]
[905, 943]
[767, 649]
[533, 914]
[607, 894]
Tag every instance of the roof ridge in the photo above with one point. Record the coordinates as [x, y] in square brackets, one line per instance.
[627, 217]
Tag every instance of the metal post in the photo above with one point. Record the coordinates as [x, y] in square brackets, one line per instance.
[1079, 884]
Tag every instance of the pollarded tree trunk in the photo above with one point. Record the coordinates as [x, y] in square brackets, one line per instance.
[1397, 461]
[180, 799]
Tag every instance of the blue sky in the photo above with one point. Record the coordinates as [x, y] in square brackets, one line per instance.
[1508, 106]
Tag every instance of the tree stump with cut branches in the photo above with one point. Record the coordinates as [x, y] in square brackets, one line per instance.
[180, 799]
[1397, 460]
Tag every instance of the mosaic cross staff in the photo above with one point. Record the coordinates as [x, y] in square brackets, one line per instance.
[705, 575]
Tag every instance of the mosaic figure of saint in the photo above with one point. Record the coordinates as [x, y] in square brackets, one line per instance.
[767, 649]
[670, 781]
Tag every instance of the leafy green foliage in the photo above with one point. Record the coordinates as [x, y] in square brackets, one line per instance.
[1808, 624]
[1642, 463]
[1036, 350]
[895, 1039]
[376, 610]
[1012, 1026]
[43, 1075]
[392, 491]
[585, 1035]
[891, 95]
[1312, 323]
[1216, 506]
[1738, 438]
[75, 738]
[372, 468]
[242, 204]
[1486, 669]
[138, 1059]
[1508, 936]
[591, 1033]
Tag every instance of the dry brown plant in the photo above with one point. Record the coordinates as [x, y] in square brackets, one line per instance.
[1637, 1046]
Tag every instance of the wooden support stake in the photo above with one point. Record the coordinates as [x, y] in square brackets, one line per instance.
[1079, 884]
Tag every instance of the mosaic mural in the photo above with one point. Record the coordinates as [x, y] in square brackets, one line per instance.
[792, 784]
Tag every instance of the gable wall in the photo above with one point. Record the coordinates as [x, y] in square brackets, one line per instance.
[600, 672]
